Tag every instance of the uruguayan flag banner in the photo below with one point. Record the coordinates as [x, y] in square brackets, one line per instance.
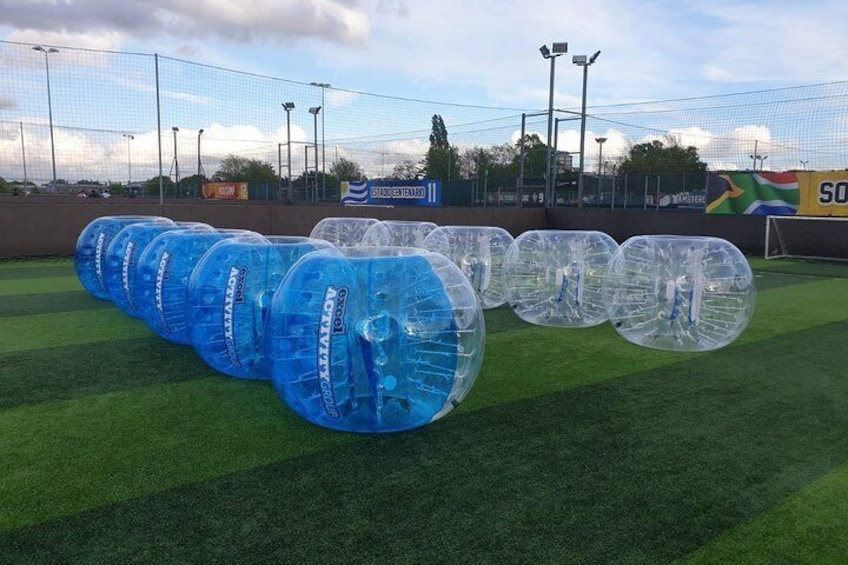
[392, 192]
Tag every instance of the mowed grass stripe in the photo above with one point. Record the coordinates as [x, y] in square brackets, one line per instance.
[520, 364]
[800, 267]
[644, 469]
[35, 263]
[766, 281]
[36, 270]
[61, 373]
[536, 361]
[12, 287]
[68, 301]
[28, 333]
[809, 527]
[65, 457]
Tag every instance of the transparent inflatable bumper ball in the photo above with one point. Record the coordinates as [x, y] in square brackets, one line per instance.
[374, 339]
[555, 277]
[397, 233]
[679, 293]
[479, 252]
[342, 232]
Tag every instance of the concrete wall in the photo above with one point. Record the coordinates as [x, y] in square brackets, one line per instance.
[745, 232]
[50, 225]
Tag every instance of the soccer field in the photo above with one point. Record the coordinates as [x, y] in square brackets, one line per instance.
[573, 446]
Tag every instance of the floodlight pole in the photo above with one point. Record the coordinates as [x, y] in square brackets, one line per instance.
[288, 107]
[585, 62]
[323, 86]
[47, 52]
[557, 50]
[315, 110]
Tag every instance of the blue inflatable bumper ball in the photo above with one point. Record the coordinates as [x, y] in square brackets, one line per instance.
[374, 339]
[92, 244]
[229, 295]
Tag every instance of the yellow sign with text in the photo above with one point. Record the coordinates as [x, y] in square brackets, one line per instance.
[823, 194]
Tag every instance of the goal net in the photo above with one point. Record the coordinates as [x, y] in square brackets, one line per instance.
[807, 237]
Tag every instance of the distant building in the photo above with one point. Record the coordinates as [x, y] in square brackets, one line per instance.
[565, 161]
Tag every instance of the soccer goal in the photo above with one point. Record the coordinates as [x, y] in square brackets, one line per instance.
[807, 237]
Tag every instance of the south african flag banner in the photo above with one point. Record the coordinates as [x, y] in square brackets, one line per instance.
[753, 193]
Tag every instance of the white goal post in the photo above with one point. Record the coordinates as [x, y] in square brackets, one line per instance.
[807, 237]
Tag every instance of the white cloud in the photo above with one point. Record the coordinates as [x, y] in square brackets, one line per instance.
[281, 21]
[791, 42]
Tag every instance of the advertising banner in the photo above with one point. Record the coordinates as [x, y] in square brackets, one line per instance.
[225, 190]
[392, 192]
[824, 194]
[804, 193]
[761, 193]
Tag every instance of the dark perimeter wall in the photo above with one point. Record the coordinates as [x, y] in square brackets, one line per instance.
[41, 225]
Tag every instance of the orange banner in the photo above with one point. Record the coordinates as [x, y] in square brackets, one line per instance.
[225, 190]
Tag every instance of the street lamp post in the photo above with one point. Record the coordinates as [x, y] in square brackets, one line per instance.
[583, 61]
[315, 110]
[129, 138]
[804, 164]
[600, 141]
[199, 162]
[323, 86]
[47, 52]
[175, 129]
[288, 107]
[555, 51]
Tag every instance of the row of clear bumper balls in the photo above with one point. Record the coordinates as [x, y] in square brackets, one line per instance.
[377, 326]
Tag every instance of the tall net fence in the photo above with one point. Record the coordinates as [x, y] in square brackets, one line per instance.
[72, 115]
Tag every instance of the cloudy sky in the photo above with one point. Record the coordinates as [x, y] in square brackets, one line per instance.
[476, 52]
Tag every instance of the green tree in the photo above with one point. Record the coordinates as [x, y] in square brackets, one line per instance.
[659, 157]
[535, 156]
[151, 186]
[439, 133]
[345, 169]
[405, 170]
[240, 169]
[442, 159]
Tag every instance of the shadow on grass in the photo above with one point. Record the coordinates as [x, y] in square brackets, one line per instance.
[10, 270]
[643, 469]
[50, 303]
[61, 373]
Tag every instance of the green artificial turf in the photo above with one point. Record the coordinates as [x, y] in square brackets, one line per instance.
[645, 468]
[573, 446]
[17, 287]
[53, 302]
[809, 527]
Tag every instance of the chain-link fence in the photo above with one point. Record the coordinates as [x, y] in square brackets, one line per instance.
[72, 118]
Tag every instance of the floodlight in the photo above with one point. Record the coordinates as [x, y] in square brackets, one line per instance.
[546, 53]
[561, 47]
